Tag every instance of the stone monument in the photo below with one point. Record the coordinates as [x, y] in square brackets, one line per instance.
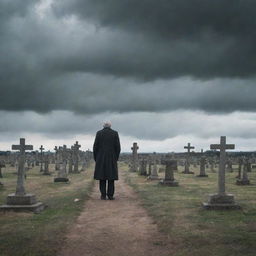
[170, 167]
[154, 174]
[20, 200]
[244, 180]
[221, 200]
[134, 165]
[187, 163]
[202, 168]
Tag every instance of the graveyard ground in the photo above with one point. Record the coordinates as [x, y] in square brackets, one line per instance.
[42, 234]
[192, 230]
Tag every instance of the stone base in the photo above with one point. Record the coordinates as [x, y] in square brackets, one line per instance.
[170, 183]
[242, 182]
[202, 176]
[36, 208]
[27, 199]
[188, 172]
[61, 179]
[153, 177]
[221, 202]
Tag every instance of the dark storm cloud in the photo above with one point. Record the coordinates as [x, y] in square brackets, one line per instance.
[200, 38]
[128, 62]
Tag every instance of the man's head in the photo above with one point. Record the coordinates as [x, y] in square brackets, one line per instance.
[107, 124]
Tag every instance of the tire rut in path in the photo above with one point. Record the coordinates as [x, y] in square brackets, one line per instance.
[120, 227]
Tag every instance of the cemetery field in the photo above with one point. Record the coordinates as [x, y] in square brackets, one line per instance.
[190, 229]
[23, 234]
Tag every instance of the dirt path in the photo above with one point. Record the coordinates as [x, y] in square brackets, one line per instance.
[114, 228]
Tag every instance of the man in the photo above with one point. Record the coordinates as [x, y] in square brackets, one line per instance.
[106, 150]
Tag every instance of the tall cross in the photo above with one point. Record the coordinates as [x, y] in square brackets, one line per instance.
[20, 190]
[41, 154]
[188, 147]
[76, 147]
[222, 147]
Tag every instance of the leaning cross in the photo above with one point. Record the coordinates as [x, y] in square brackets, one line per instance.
[20, 190]
[135, 147]
[188, 147]
[222, 146]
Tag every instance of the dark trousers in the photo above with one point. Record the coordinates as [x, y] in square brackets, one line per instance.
[111, 187]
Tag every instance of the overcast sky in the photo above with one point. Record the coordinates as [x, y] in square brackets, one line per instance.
[165, 72]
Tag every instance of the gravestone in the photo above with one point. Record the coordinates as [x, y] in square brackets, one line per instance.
[240, 163]
[57, 159]
[46, 165]
[170, 167]
[20, 200]
[229, 165]
[221, 200]
[41, 158]
[134, 164]
[76, 156]
[244, 180]
[187, 164]
[202, 168]
[62, 173]
[2, 165]
[154, 174]
[143, 167]
[70, 160]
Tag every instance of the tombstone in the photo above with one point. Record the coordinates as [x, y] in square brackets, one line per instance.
[57, 159]
[41, 158]
[20, 200]
[240, 163]
[62, 173]
[149, 168]
[212, 166]
[143, 167]
[187, 164]
[70, 160]
[202, 168]
[244, 180]
[154, 174]
[170, 167]
[249, 166]
[221, 200]
[134, 165]
[229, 166]
[46, 165]
[76, 156]
[2, 164]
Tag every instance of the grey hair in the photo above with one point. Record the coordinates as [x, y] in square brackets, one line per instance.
[107, 124]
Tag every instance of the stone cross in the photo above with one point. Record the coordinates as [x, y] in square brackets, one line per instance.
[143, 167]
[57, 159]
[188, 147]
[134, 167]
[76, 156]
[41, 156]
[22, 147]
[222, 147]
[202, 168]
[187, 171]
[244, 180]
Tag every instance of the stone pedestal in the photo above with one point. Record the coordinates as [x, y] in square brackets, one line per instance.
[242, 182]
[221, 202]
[25, 202]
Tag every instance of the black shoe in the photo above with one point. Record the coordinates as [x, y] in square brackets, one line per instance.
[111, 198]
[103, 198]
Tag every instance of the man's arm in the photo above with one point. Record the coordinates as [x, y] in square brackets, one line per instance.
[117, 146]
[96, 146]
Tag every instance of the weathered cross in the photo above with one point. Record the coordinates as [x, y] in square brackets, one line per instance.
[222, 147]
[76, 157]
[76, 146]
[20, 190]
[41, 154]
[188, 147]
[134, 148]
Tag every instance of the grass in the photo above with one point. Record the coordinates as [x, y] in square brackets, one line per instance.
[192, 230]
[29, 234]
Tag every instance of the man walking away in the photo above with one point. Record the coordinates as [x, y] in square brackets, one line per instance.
[106, 151]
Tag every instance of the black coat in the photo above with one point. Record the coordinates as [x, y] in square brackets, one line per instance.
[106, 150]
